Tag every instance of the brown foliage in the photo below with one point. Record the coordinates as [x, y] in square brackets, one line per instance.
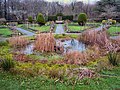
[118, 40]
[22, 57]
[18, 41]
[45, 42]
[82, 58]
[93, 52]
[94, 37]
[86, 73]
[76, 58]
[101, 40]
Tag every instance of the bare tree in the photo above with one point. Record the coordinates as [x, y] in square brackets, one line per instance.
[109, 12]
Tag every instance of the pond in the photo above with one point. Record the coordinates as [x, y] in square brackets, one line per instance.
[69, 45]
[73, 45]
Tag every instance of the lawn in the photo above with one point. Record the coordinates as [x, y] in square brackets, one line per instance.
[41, 29]
[5, 32]
[10, 81]
[113, 30]
[75, 27]
[58, 36]
[78, 28]
[35, 28]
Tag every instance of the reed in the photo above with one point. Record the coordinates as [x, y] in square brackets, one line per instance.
[18, 41]
[94, 37]
[101, 40]
[45, 42]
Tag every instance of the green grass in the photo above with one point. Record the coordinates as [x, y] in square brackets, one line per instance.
[58, 36]
[113, 30]
[5, 32]
[20, 25]
[42, 28]
[10, 81]
[35, 28]
[77, 28]
[46, 56]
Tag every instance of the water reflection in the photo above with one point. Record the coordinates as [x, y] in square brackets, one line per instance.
[29, 49]
[73, 45]
[69, 45]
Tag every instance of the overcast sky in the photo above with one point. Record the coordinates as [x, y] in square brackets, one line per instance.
[68, 1]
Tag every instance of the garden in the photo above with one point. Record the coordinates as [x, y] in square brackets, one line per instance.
[60, 53]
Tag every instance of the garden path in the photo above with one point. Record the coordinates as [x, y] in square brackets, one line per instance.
[27, 33]
[59, 29]
[115, 37]
[99, 28]
[2, 39]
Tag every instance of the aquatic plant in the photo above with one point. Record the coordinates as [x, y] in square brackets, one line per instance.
[18, 41]
[95, 37]
[45, 43]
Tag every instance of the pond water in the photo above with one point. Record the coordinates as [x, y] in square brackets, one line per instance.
[29, 49]
[73, 45]
[69, 45]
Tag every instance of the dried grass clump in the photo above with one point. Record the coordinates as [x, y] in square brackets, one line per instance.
[18, 41]
[118, 40]
[24, 58]
[114, 45]
[76, 58]
[82, 58]
[21, 57]
[45, 43]
[86, 73]
[101, 40]
[118, 43]
[93, 52]
[94, 37]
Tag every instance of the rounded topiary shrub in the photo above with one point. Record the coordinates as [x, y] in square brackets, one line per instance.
[82, 19]
[114, 22]
[104, 21]
[40, 19]
[30, 19]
